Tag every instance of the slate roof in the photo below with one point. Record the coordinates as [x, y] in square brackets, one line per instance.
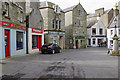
[91, 15]
[69, 8]
[112, 23]
[91, 23]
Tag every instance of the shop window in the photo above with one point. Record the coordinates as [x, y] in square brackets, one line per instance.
[93, 41]
[94, 31]
[111, 32]
[19, 39]
[101, 31]
[34, 41]
[6, 9]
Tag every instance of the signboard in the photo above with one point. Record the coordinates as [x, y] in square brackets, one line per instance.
[55, 32]
[37, 30]
[10, 25]
[80, 37]
[69, 38]
[98, 36]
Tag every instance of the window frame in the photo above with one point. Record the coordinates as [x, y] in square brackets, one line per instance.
[6, 7]
[34, 40]
[21, 41]
[100, 31]
[53, 23]
[79, 12]
[60, 24]
[119, 31]
[92, 31]
[56, 24]
[111, 32]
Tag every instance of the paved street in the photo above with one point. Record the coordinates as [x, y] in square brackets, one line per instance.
[71, 63]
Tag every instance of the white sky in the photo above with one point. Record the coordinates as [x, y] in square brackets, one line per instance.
[89, 5]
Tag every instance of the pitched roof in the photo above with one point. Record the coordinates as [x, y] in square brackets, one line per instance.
[112, 23]
[91, 23]
[69, 8]
[91, 15]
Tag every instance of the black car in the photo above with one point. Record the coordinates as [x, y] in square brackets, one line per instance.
[51, 48]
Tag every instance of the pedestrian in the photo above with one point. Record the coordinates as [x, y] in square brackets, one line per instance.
[99, 44]
[108, 51]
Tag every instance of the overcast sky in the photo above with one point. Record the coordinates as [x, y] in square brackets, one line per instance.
[89, 5]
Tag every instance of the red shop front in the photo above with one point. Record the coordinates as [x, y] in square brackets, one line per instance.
[36, 38]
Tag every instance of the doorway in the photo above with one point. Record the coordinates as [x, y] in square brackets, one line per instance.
[76, 44]
[39, 42]
[7, 43]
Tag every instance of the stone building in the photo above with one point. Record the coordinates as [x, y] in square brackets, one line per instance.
[12, 29]
[54, 23]
[98, 23]
[96, 33]
[119, 6]
[35, 27]
[111, 31]
[75, 26]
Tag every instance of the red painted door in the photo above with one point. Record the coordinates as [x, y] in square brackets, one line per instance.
[76, 44]
[39, 42]
[7, 43]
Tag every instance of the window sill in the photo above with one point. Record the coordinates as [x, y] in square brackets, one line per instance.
[7, 17]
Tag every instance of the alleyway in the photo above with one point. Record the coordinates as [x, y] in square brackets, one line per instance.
[71, 63]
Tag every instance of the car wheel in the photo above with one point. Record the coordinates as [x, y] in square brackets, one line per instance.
[60, 51]
[53, 51]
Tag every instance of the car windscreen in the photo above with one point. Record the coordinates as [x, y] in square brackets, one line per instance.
[50, 44]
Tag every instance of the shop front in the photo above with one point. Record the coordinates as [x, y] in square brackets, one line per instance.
[35, 40]
[56, 38]
[98, 40]
[79, 42]
[12, 39]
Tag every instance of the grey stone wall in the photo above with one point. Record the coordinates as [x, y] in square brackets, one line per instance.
[35, 18]
[14, 13]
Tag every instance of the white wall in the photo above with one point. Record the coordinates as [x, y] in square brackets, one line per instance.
[109, 36]
[1, 42]
[30, 50]
[99, 25]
